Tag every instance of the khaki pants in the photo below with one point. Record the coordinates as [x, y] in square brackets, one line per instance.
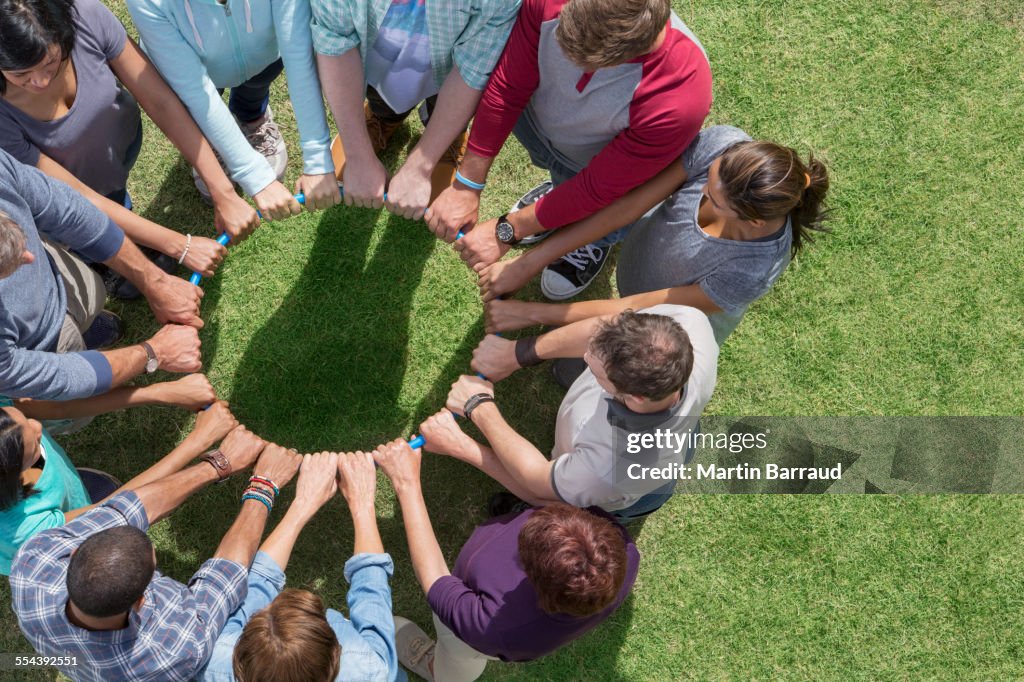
[454, 660]
[86, 296]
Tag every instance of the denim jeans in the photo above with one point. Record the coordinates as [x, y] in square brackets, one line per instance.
[544, 155]
[131, 155]
[249, 100]
[653, 500]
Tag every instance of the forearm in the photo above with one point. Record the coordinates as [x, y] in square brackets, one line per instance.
[126, 363]
[526, 465]
[111, 401]
[455, 104]
[279, 544]
[367, 536]
[242, 539]
[484, 459]
[162, 497]
[475, 167]
[570, 341]
[427, 559]
[137, 228]
[339, 76]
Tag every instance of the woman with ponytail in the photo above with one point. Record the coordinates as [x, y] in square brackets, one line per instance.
[719, 242]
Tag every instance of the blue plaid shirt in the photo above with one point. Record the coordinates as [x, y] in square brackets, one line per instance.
[169, 638]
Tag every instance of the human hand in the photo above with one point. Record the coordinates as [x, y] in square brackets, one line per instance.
[172, 299]
[235, 216]
[214, 423]
[318, 482]
[204, 256]
[321, 191]
[480, 246]
[464, 388]
[456, 208]
[192, 392]
[409, 191]
[442, 435]
[357, 479]
[505, 316]
[502, 278]
[275, 202]
[495, 357]
[364, 182]
[277, 463]
[401, 464]
[177, 347]
[241, 447]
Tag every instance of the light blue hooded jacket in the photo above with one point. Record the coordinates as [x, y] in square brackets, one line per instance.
[202, 45]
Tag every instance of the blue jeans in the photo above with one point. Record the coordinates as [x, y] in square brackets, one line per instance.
[544, 155]
[121, 196]
[653, 500]
[249, 100]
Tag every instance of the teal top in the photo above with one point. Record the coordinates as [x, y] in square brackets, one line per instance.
[58, 490]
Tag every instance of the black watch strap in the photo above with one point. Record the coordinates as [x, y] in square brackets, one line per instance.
[475, 402]
[503, 220]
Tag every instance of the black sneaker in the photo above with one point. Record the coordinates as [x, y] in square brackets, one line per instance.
[567, 370]
[531, 197]
[573, 272]
[118, 286]
[104, 332]
[505, 503]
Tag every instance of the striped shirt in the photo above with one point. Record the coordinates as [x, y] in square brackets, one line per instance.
[468, 34]
[169, 638]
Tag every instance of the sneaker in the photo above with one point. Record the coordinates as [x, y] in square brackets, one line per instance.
[415, 648]
[505, 503]
[444, 171]
[531, 197]
[265, 137]
[106, 330]
[380, 134]
[204, 191]
[573, 272]
[567, 370]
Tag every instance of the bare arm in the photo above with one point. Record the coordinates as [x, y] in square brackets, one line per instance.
[172, 299]
[357, 480]
[317, 484]
[191, 392]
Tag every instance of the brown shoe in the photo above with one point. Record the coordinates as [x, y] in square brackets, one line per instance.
[379, 131]
[444, 171]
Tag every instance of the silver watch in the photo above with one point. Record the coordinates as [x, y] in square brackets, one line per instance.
[152, 363]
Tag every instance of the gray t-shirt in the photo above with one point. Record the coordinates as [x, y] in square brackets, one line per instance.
[93, 140]
[669, 249]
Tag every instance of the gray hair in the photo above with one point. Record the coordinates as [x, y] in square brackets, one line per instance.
[12, 245]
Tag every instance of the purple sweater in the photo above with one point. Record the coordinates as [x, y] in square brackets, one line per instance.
[491, 606]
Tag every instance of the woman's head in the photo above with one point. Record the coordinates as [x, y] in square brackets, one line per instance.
[576, 561]
[289, 641]
[20, 447]
[36, 36]
[763, 181]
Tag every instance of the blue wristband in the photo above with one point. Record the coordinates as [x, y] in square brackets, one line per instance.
[478, 186]
[265, 501]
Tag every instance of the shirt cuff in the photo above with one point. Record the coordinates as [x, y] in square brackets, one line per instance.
[100, 365]
[316, 158]
[366, 560]
[267, 568]
[130, 507]
[105, 246]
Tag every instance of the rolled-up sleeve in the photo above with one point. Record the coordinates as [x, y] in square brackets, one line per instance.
[333, 27]
[478, 49]
[369, 604]
[219, 588]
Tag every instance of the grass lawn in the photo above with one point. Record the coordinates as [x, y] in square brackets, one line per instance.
[343, 329]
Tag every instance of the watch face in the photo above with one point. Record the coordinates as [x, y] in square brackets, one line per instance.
[506, 233]
[151, 365]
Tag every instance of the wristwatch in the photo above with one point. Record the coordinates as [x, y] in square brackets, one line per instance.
[505, 232]
[475, 402]
[152, 364]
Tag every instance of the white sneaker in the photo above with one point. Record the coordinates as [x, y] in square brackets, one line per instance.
[415, 648]
[573, 272]
[265, 137]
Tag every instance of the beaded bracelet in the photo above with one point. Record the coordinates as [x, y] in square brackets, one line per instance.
[265, 481]
[188, 243]
[478, 186]
[260, 496]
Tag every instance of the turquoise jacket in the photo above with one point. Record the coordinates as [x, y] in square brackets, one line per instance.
[201, 46]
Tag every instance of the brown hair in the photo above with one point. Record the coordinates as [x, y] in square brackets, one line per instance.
[643, 354]
[764, 180]
[601, 33]
[575, 560]
[289, 641]
[12, 245]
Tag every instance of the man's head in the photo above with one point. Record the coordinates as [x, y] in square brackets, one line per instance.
[596, 34]
[110, 571]
[13, 253]
[639, 355]
[289, 641]
[576, 561]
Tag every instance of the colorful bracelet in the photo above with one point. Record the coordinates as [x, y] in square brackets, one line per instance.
[478, 186]
[265, 481]
[260, 498]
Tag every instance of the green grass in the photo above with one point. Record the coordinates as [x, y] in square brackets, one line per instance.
[342, 329]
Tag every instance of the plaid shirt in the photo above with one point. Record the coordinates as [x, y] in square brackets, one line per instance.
[169, 638]
[469, 33]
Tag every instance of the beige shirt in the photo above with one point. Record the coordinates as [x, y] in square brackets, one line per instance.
[589, 452]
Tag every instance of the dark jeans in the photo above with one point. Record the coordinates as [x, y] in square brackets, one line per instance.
[249, 100]
[98, 484]
[121, 196]
[385, 114]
